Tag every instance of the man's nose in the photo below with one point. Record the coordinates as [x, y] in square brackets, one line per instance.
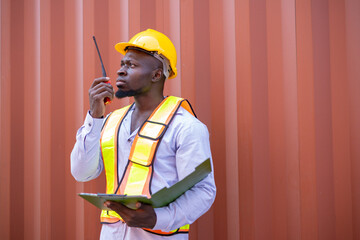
[121, 72]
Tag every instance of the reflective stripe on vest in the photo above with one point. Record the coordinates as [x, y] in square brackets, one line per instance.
[138, 173]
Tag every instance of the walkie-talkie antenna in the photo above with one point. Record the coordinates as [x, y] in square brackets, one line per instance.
[101, 62]
[106, 100]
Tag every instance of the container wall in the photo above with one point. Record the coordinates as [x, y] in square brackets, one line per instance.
[277, 82]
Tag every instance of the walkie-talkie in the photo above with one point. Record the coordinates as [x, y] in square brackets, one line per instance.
[107, 99]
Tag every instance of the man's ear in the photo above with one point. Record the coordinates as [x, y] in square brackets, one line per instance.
[157, 75]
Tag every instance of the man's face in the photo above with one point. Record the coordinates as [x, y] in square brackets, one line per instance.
[135, 74]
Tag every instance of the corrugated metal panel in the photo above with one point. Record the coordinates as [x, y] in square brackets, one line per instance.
[277, 82]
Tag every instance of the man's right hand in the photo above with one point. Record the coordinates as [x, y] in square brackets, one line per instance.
[98, 91]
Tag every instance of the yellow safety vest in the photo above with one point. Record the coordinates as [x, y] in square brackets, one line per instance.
[138, 173]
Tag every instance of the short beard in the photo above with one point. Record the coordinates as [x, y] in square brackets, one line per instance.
[130, 93]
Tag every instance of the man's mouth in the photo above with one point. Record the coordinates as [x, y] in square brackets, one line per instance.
[120, 83]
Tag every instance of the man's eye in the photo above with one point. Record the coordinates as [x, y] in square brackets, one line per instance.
[132, 65]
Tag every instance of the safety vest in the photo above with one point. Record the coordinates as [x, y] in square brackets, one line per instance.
[136, 179]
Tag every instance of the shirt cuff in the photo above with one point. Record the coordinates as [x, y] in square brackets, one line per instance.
[93, 124]
[162, 219]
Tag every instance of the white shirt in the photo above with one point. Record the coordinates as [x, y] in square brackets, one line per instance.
[183, 147]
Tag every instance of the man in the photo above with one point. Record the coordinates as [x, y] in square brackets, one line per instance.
[151, 144]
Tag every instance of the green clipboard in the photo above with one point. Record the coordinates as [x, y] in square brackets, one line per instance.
[159, 199]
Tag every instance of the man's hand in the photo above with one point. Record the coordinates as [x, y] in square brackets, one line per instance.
[98, 91]
[143, 217]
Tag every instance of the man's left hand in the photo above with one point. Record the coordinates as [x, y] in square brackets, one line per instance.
[143, 217]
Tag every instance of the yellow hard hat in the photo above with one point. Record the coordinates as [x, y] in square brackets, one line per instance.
[152, 41]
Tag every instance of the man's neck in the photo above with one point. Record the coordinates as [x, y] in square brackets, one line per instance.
[147, 103]
[143, 109]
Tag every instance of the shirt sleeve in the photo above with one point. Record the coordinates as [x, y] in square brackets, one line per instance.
[86, 163]
[193, 147]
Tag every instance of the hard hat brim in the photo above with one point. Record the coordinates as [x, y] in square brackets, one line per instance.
[120, 47]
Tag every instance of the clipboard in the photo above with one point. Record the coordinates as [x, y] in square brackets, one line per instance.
[159, 199]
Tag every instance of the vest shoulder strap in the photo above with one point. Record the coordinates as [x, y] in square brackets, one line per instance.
[154, 128]
[109, 144]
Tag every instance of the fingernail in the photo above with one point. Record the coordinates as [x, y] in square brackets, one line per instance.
[107, 78]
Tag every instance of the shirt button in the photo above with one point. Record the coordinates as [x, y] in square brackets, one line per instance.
[89, 124]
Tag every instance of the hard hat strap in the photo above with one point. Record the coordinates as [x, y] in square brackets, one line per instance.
[165, 62]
